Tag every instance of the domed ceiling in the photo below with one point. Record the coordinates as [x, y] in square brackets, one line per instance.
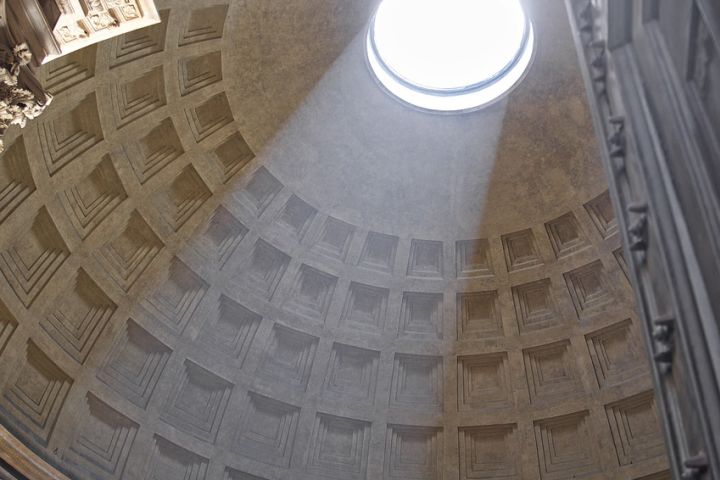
[228, 254]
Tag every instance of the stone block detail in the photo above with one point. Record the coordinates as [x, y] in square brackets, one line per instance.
[551, 372]
[426, 258]
[665, 475]
[265, 268]
[218, 238]
[484, 382]
[339, 447]
[32, 259]
[199, 71]
[566, 447]
[16, 181]
[520, 250]
[182, 198]
[93, 199]
[365, 307]
[172, 462]
[311, 293]
[478, 315]
[197, 402]
[69, 70]
[620, 257]
[177, 298]
[267, 431]
[260, 191]
[289, 357]
[351, 374]
[126, 257]
[378, 252]
[535, 306]
[296, 216]
[635, 429]
[8, 324]
[489, 452]
[37, 394]
[413, 453]
[79, 316]
[417, 382]
[421, 315]
[232, 474]
[138, 97]
[70, 134]
[209, 117]
[232, 155]
[472, 259]
[589, 288]
[565, 235]
[232, 329]
[616, 354]
[155, 151]
[335, 239]
[139, 43]
[602, 213]
[101, 446]
[134, 365]
[204, 24]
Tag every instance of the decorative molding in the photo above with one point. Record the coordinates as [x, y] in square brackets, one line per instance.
[135, 363]
[489, 452]
[267, 430]
[58, 27]
[339, 447]
[25, 461]
[413, 452]
[37, 394]
[21, 96]
[102, 444]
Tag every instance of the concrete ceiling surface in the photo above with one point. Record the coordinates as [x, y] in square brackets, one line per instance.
[227, 253]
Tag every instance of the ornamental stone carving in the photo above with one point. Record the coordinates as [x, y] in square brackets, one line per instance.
[20, 101]
[54, 28]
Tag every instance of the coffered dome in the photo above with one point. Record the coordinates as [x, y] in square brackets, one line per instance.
[228, 253]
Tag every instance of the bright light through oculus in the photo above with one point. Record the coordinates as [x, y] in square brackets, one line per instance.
[449, 55]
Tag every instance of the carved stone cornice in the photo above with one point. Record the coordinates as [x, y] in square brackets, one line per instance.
[55, 28]
[660, 152]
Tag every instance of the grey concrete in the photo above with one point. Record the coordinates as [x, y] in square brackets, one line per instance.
[375, 293]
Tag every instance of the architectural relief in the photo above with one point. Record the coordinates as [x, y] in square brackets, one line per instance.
[21, 98]
[54, 28]
[652, 78]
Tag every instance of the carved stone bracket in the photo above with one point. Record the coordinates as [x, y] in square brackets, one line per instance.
[638, 232]
[663, 333]
[694, 467]
[616, 144]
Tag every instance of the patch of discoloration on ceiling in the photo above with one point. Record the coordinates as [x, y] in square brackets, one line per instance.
[276, 52]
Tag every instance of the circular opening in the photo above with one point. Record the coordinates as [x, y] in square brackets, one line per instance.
[449, 55]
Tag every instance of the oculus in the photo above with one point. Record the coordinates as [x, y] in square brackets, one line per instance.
[449, 55]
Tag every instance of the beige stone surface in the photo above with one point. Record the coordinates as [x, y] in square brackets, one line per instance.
[226, 253]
